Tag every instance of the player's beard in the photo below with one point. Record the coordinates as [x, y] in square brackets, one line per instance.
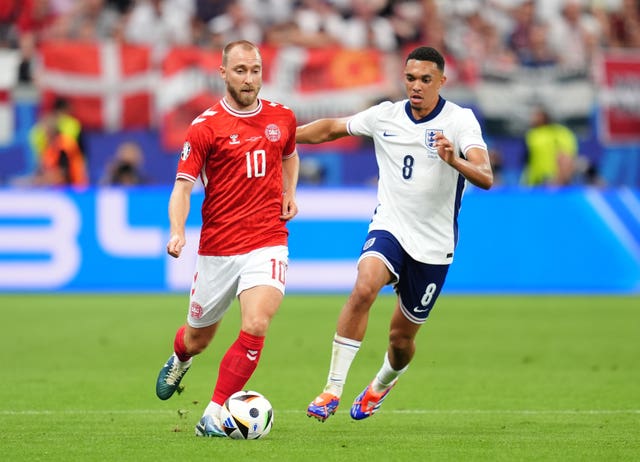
[244, 99]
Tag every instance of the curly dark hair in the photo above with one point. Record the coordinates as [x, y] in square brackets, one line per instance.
[427, 54]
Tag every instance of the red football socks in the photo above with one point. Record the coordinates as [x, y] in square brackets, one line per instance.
[237, 366]
[178, 345]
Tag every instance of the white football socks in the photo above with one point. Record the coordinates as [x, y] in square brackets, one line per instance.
[343, 353]
[386, 375]
[213, 409]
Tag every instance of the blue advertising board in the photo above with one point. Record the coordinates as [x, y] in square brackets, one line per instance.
[579, 240]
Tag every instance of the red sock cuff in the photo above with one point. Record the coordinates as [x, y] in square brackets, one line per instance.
[250, 341]
[179, 347]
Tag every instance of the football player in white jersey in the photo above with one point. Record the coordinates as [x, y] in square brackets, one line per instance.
[427, 149]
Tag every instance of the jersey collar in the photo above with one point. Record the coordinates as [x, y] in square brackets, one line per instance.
[432, 115]
[237, 113]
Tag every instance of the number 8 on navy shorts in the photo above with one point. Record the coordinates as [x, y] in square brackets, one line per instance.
[417, 284]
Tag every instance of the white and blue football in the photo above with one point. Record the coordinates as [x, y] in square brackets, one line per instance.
[246, 415]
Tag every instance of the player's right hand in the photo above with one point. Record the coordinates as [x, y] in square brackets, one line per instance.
[175, 245]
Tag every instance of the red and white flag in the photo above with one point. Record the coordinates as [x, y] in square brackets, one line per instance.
[619, 94]
[9, 62]
[187, 89]
[113, 86]
[109, 86]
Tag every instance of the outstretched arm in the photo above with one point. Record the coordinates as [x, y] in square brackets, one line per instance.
[179, 204]
[322, 130]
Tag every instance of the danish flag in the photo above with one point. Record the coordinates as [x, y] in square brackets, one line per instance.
[109, 86]
[9, 61]
[187, 90]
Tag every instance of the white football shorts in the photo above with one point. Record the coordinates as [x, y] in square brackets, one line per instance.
[219, 280]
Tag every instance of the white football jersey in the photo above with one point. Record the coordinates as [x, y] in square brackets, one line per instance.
[419, 195]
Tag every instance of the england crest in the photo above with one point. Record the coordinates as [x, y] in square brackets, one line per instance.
[430, 138]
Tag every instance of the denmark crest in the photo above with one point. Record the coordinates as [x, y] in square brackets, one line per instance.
[272, 132]
[195, 310]
[186, 149]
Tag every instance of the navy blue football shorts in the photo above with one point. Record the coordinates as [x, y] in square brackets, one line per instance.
[417, 284]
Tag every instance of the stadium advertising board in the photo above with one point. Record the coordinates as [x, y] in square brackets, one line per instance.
[511, 241]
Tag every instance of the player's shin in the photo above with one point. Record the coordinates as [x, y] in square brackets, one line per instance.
[237, 366]
[344, 351]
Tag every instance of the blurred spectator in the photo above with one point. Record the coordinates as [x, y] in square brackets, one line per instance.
[315, 23]
[90, 20]
[574, 35]
[552, 150]
[160, 24]
[62, 163]
[235, 24]
[9, 12]
[501, 15]
[475, 43]
[269, 12]
[205, 11]
[126, 167]
[121, 6]
[431, 27]
[405, 17]
[365, 28]
[523, 20]
[624, 25]
[538, 53]
[34, 24]
[466, 32]
[496, 56]
[479, 37]
[65, 123]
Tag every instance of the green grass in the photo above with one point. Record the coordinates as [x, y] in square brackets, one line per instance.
[494, 379]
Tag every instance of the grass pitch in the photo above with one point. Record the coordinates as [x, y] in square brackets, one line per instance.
[495, 378]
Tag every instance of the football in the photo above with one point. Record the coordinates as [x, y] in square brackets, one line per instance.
[246, 415]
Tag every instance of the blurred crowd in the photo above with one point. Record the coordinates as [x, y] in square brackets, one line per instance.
[479, 37]
[477, 34]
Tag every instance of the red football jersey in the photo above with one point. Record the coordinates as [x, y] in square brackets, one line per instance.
[239, 157]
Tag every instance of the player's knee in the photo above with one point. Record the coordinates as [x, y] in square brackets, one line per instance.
[256, 325]
[197, 340]
[400, 341]
[196, 345]
[364, 294]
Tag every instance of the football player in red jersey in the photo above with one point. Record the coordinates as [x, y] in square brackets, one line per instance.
[243, 149]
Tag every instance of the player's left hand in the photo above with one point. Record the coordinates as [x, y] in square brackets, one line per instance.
[175, 245]
[445, 148]
[289, 208]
